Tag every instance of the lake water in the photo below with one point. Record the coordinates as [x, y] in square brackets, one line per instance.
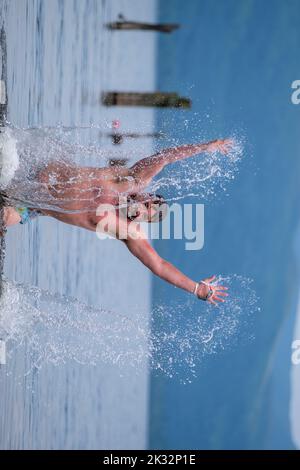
[60, 58]
[237, 60]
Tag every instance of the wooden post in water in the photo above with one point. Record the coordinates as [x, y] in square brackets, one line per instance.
[136, 25]
[155, 99]
[119, 137]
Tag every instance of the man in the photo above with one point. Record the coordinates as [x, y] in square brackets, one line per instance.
[80, 192]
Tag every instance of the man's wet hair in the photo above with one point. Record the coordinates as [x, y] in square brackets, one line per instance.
[157, 201]
[161, 207]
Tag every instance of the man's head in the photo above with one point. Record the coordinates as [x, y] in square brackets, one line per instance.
[146, 207]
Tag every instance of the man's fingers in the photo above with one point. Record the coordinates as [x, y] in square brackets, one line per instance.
[215, 297]
[221, 288]
[210, 279]
[224, 294]
[226, 146]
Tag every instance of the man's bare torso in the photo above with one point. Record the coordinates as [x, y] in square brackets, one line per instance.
[78, 191]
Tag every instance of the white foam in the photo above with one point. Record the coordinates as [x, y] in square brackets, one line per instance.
[2, 352]
[2, 92]
[10, 310]
[9, 159]
[57, 329]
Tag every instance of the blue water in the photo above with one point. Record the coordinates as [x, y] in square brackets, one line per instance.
[236, 60]
[60, 57]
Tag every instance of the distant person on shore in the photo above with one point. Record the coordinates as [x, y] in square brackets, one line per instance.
[79, 192]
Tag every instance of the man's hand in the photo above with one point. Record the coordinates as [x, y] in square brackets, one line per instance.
[220, 145]
[207, 287]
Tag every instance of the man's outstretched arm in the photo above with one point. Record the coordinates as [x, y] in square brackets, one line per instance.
[144, 170]
[142, 250]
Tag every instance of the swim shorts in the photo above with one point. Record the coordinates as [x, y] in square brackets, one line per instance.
[26, 214]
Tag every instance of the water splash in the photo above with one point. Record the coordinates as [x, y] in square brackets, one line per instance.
[205, 176]
[9, 160]
[186, 334]
[56, 329]
[34, 150]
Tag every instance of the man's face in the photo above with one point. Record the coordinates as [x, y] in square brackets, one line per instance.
[141, 211]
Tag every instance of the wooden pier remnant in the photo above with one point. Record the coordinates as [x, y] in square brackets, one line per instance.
[119, 137]
[137, 25]
[155, 99]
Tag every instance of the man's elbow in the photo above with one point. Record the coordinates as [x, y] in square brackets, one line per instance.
[160, 267]
[134, 175]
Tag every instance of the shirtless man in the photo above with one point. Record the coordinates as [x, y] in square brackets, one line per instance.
[80, 191]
